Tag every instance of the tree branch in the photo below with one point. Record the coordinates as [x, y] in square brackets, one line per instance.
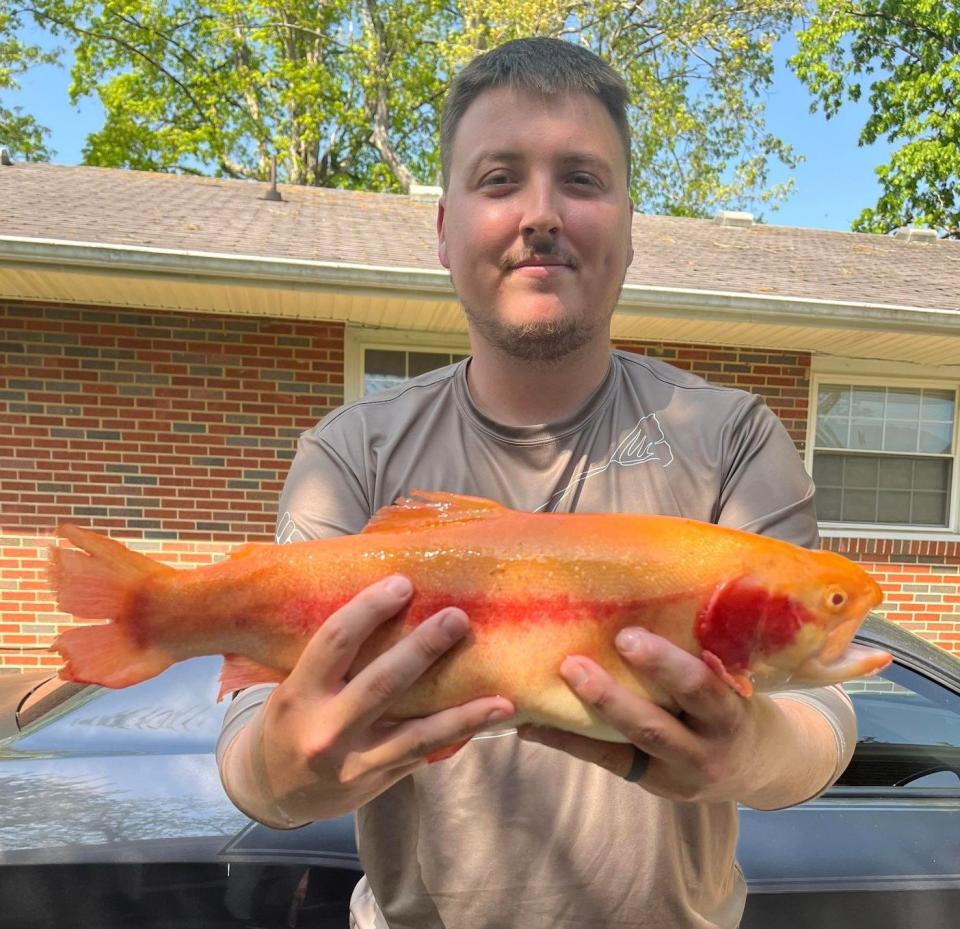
[931, 33]
[73, 27]
[379, 110]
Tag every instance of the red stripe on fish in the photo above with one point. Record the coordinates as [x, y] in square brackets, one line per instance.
[491, 611]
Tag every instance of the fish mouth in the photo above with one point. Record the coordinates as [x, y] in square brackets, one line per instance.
[837, 640]
[851, 662]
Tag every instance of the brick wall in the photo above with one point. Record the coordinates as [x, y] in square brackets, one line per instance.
[920, 581]
[170, 431]
[173, 432]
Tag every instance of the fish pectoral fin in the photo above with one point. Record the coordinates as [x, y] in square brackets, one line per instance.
[427, 509]
[738, 681]
[107, 655]
[240, 672]
[448, 751]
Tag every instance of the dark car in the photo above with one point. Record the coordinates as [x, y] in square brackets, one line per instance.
[112, 814]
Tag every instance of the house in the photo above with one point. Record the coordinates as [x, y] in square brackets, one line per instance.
[166, 338]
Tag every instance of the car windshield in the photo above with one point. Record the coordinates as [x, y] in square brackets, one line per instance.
[908, 732]
[44, 699]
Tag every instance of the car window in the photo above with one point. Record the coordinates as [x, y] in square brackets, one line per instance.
[908, 733]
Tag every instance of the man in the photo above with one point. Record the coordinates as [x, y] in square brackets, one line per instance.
[543, 829]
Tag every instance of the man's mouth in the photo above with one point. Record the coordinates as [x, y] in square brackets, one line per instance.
[541, 263]
[540, 267]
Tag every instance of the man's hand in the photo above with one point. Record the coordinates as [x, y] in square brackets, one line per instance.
[320, 746]
[721, 746]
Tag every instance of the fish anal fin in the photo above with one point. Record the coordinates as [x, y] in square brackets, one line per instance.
[426, 509]
[240, 672]
[739, 682]
[107, 655]
[448, 751]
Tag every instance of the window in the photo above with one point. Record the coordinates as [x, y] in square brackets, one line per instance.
[378, 359]
[908, 733]
[384, 368]
[884, 454]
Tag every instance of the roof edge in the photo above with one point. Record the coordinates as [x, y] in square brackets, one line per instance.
[96, 256]
[635, 299]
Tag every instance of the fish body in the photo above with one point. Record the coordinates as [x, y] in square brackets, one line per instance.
[763, 613]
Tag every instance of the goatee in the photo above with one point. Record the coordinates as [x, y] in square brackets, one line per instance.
[541, 342]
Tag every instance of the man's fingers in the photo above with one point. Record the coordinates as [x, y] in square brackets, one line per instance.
[614, 756]
[378, 686]
[333, 648]
[700, 693]
[412, 741]
[648, 726]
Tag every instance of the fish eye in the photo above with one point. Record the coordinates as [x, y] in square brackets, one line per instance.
[836, 598]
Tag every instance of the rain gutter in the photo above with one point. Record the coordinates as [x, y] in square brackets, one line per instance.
[434, 284]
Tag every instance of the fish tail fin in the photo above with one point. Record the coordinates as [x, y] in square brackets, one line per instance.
[96, 582]
[108, 655]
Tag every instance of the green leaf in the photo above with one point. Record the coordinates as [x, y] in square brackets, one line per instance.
[907, 54]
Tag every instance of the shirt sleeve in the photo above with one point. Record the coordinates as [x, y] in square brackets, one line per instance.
[325, 492]
[834, 704]
[765, 487]
[242, 709]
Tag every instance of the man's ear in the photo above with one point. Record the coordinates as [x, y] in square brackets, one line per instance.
[441, 234]
[633, 208]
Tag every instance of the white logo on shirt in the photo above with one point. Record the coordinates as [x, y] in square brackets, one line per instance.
[287, 530]
[645, 443]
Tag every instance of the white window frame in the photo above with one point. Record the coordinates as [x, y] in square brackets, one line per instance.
[892, 374]
[358, 339]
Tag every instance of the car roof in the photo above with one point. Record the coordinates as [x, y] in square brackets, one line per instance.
[14, 689]
[901, 642]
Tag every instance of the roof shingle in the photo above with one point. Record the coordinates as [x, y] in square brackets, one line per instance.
[115, 207]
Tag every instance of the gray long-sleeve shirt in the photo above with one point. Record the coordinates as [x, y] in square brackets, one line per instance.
[509, 833]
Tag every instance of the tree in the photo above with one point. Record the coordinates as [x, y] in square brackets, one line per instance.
[19, 131]
[907, 52]
[347, 93]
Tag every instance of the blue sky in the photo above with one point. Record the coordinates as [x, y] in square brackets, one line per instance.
[834, 183]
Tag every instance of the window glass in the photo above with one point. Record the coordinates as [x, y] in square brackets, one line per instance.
[884, 454]
[384, 368]
[908, 732]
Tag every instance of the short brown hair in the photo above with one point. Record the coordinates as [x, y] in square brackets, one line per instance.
[538, 64]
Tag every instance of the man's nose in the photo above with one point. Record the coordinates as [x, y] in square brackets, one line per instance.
[541, 212]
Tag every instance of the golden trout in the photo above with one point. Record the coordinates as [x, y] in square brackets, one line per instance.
[762, 613]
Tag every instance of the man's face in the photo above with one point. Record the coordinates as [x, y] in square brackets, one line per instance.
[535, 222]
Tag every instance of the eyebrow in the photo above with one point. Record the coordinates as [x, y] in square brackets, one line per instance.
[485, 156]
[568, 158]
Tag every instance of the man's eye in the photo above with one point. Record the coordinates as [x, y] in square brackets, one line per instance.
[583, 180]
[496, 178]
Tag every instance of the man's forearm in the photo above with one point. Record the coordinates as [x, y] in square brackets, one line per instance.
[798, 754]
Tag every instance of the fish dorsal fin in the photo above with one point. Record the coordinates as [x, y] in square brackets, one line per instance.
[242, 551]
[427, 509]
